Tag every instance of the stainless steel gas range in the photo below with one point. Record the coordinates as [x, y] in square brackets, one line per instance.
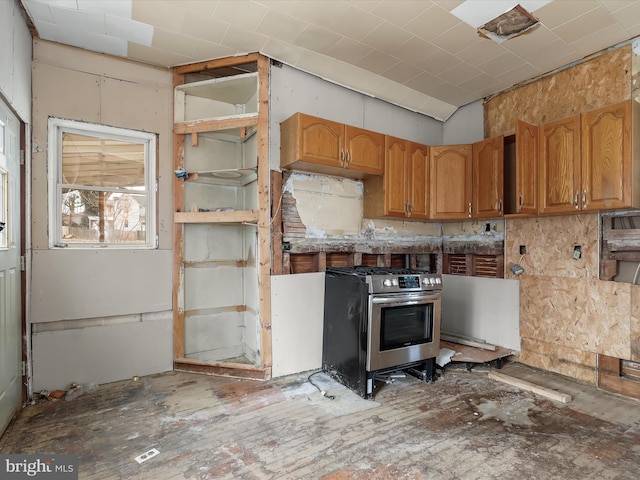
[378, 320]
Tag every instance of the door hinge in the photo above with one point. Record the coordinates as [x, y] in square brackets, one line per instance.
[21, 157]
[23, 263]
[24, 368]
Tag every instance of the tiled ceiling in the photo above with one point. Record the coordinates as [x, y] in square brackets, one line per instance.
[412, 53]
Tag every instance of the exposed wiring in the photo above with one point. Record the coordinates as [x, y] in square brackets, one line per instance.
[322, 392]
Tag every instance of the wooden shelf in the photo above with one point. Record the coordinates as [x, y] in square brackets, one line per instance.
[235, 177]
[240, 216]
[234, 123]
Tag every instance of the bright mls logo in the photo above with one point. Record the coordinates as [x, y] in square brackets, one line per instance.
[50, 467]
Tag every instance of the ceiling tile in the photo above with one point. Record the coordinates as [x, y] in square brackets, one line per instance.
[355, 23]
[349, 50]
[414, 50]
[481, 51]
[530, 41]
[38, 12]
[452, 94]
[161, 14]
[438, 61]
[205, 9]
[318, 12]
[199, 26]
[174, 42]
[547, 55]
[400, 12]
[524, 71]
[457, 38]
[208, 50]
[280, 26]
[252, 13]
[481, 83]
[599, 40]
[560, 12]
[103, 43]
[615, 5]
[458, 73]
[244, 41]
[402, 72]
[316, 63]
[130, 30]
[317, 40]
[448, 5]
[432, 23]
[155, 56]
[282, 51]
[628, 17]
[592, 21]
[501, 64]
[72, 19]
[386, 37]
[377, 62]
[120, 8]
[424, 82]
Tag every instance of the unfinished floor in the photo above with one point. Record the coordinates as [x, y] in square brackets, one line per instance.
[463, 426]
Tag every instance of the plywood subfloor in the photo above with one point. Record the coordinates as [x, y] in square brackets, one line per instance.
[462, 426]
[468, 354]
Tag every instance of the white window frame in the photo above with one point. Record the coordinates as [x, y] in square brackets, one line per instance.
[58, 126]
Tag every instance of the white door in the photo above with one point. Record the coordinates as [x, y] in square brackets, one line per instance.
[10, 284]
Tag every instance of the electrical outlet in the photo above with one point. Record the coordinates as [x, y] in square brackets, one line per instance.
[577, 252]
[523, 249]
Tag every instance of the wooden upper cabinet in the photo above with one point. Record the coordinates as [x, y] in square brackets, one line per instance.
[403, 191]
[317, 145]
[364, 150]
[607, 158]
[526, 169]
[450, 182]
[560, 166]
[418, 181]
[396, 177]
[488, 175]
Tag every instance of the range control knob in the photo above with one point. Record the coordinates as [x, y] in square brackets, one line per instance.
[387, 282]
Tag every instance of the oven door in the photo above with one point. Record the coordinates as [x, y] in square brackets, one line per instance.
[403, 328]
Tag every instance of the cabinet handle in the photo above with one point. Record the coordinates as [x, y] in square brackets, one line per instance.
[469, 209]
[348, 157]
[342, 158]
[584, 198]
[500, 206]
[575, 200]
[410, 207]
[521, 200]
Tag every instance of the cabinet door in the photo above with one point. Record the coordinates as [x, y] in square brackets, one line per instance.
[320, 141]
[606, 158]
[395, 177]
[560, 166]
[526, 168]
[418, 180]
[364, 150]
[488, 174]
[450, 182]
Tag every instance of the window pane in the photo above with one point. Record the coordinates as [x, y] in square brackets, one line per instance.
[101, 162]
[91, 216]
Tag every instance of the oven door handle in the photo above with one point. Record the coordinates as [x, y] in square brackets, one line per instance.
[404, 299]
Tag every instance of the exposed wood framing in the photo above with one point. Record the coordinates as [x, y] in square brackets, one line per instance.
[620, 237]
[178, 243]
[197, 126]
[214, 64]
[618, 376]
[238, 370]
[264, 215]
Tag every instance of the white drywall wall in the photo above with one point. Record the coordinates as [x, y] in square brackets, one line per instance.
[483, 308]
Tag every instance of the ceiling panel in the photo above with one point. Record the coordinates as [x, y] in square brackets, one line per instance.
[415, 53]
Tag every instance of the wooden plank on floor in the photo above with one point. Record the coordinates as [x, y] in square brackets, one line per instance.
[531, 387]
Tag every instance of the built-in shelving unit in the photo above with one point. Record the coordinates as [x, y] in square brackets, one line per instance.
[221, 251]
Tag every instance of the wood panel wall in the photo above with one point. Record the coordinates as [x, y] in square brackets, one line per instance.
[567, 316]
